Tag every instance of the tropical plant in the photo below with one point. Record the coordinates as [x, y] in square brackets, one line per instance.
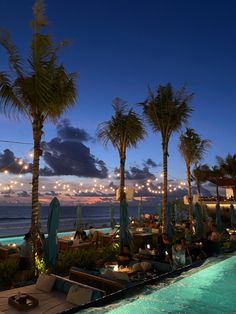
[41, 91]
[166, 111]
[192, 148]
[215, 176]
[200, 174]
[124, 130]
[228, 165]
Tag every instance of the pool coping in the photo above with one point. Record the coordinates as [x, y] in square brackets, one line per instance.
[121, 293]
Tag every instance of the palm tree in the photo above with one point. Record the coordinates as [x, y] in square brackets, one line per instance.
[192, 148]
[200, 174]
[41, 91]
[228, 165]
[124, 130]
[215, 176]
[166, 111]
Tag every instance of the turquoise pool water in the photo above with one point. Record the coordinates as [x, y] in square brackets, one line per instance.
[19, 239]
[210, 290]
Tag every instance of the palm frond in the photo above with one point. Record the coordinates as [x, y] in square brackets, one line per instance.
[13, 55]
[9, 100]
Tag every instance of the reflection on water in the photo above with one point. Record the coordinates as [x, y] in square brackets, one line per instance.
[209, 289]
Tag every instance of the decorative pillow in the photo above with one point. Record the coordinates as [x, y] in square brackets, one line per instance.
[78, 295]
[45, 282]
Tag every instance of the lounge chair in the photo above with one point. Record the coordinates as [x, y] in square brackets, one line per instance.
[54, 301]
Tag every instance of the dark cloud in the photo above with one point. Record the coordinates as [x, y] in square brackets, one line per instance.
[135, 173]
[68, 155]
[151, 164]
[51, 193]
[24, 194]
[67, 132]
[7, 195]
[9, 162]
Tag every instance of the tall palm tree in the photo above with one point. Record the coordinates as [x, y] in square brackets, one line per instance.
[228, 165]
[192, 148]
[200, 174]
[215, 176]
[166, 111]
[124, 130]
[41, 91]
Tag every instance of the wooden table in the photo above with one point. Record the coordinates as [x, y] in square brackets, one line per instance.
[24, 302]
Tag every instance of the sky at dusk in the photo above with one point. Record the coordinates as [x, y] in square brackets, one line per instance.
[118, 49]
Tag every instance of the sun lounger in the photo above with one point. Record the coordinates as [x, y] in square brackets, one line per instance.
[51, 302]
[99, 282]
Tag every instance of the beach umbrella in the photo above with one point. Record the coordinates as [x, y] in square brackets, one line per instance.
[125, 235]
[198, 217]
[112, 218]
[177, 214]
[139, 214]
[219, 224]
[170, 228]
[232, 216]
[206, 213]
[159, 212]
[79, 217]
[50, 253]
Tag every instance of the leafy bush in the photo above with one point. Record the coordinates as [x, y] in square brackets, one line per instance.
[8, 270]
[40, 265]
[84, 258]
[79, 258]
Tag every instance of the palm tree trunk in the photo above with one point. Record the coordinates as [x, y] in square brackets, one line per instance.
[190, 197]
[122, 177]
[122, 195]
[37, 135]
[217, 193]
[165, 182]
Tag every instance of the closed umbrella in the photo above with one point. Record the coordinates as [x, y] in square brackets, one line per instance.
[232, 216]
[159, 212]
[112, 218]
[50, 254]
[170, 228]
[206, 213]
[125, 235]
[219, 224]
[177, 214]
[79, 217]
[198, 217]
[139, 214]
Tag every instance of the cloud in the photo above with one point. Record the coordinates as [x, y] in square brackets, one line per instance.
[151, 164]
[9, 162]
[24, 194]
[135, 173]
[66, 154]
[67, 132]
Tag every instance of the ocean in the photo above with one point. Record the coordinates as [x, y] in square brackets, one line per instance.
[16, 220]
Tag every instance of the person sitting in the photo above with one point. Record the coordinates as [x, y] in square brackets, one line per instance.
[178, 255]
[26, 257]
[160, 255]
[80, 235]
[215, 236]
[96, 237]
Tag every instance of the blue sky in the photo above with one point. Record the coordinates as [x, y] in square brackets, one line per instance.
[119, 48]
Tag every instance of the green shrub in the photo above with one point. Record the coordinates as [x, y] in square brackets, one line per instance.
[8, 270]
[83, 258]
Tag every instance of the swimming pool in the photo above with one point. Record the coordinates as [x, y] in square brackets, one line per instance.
[207, 290]
[19, 239]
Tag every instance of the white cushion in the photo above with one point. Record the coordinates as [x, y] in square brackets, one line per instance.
[78, 295]
[45, 282]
